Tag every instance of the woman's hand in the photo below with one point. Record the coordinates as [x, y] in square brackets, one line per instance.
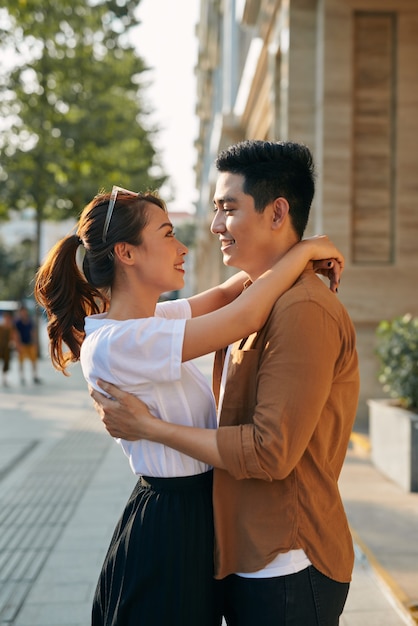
[123, 414]
[127, 417]
[331, 269]
[327, 259]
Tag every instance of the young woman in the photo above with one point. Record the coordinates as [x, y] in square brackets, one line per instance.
[159, 566]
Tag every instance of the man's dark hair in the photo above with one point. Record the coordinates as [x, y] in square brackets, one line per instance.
[272, 170]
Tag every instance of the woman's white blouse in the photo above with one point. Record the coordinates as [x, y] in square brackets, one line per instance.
[143, 357]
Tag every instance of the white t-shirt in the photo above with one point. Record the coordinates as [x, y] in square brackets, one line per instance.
[143, 357]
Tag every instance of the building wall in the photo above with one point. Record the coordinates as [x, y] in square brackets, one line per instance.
[342, 77]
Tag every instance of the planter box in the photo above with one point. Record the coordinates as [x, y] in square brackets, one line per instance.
[394, 442]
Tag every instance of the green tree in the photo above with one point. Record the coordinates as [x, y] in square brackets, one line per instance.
[72, 106]
[16, 270]
[186, 232]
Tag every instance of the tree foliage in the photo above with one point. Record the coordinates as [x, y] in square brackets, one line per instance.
[397, 351]
[72, 105]
[16, 270]
[186, 233]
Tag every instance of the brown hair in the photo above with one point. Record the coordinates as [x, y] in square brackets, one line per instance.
[68, 294]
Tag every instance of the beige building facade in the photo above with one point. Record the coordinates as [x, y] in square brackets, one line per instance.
[342, 77]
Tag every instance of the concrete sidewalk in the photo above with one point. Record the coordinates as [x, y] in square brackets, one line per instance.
[64, 483]
[384, 524]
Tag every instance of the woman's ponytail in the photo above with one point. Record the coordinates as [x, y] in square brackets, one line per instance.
[68, 294]
[62, 290]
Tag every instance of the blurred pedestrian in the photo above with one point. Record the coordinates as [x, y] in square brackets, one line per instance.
[7, 334]
[26, 343]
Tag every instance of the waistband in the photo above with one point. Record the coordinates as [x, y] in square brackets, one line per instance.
[197, 481]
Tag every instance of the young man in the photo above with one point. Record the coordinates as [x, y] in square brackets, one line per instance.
[287, 400]
[26, 343]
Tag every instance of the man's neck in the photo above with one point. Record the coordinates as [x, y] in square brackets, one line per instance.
[268, 260]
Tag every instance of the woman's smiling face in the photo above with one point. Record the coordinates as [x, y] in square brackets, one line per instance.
[160, 257]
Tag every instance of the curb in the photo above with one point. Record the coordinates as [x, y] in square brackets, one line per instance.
[403, 603]
[400, 599]
[360, 441]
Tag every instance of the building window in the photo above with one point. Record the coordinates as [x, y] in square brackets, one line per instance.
[374, 128]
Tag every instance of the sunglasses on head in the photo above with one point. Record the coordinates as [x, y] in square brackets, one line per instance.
[111, 206]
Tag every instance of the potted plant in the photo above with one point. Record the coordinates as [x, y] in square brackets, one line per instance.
[393, 422]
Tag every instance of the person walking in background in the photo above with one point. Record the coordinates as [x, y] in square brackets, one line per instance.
[26, 344]
[159, 566]
[287, 399]
[7, 342]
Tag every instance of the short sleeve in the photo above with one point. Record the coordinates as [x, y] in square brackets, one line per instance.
[174, 309]
[137, 351]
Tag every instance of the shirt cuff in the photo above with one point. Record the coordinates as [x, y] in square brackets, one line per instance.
[237, 450]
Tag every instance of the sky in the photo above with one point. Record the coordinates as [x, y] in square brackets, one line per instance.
[166, 41]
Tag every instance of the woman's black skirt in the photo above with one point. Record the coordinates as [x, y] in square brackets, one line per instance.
[158, 570]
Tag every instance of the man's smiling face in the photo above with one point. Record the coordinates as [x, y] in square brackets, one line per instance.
[245, 234]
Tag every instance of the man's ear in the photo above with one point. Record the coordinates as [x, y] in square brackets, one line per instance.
[122, 252]
[280, 211]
